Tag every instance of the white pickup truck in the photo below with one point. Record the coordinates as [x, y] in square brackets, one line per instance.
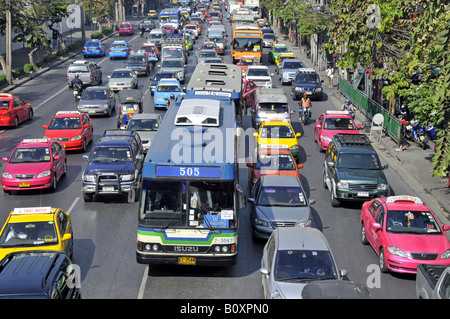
[433, 282]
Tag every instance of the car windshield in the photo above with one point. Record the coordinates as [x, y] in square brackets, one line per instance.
[280, 49]
[29, 234]
[258, 72]
[269, 36]
[137, 59]
[95, 94]
[358, 161]
[242, 44]
[148, 48]
[168, 88]
[172, 64]
[274, 131]
[310, 78]
[304, 265]
[202, 204]
[121, 74]
[78, 69]
[283, 162]
[281, 196]
[118, 46]
[207, 54]
[31, 155]
[209, 46]
[155, 36]
[215, 39]
[111, 154]
[339, 124]
[273, 107]
[65, 123]
[172, 53]
[92, 44]
[143, 125]
[293, 65]
[411, 222]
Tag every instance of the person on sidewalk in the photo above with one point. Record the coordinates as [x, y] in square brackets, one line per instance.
[330, 73]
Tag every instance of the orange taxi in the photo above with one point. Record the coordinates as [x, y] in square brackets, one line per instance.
[14, 110]
[273, 161]
[247, 60]
[72, 129]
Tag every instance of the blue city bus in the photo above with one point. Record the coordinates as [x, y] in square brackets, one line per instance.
[218, 79]
[188, 211]
[170, 16]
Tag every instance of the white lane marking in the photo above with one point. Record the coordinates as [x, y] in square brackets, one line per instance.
[73, 205]
[143, 283]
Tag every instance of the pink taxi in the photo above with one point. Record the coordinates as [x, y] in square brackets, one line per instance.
[126, 29]
[333, 122]
[404, 232]
[34, 164]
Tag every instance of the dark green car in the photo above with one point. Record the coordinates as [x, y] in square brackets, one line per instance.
[352, 170]
[276, 50]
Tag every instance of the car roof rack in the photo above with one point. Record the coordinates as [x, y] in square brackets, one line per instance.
[352, 139]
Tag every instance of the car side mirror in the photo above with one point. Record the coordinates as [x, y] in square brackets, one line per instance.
[318, 126]
[446, 227]
[312, 201]
[264, 271]
[67, 236]
[4, 159]
[255, 134]
[376, 226]
[300, 165]
[44, 126]
[250, 200]
[298, 134]
[359, 127]
[384, 166]
[85, 157]
[56, 157]
[330, 164]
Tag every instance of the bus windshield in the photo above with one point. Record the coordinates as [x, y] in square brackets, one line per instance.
[198, 204]
[247, 44]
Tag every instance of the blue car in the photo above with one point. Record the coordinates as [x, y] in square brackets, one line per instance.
[119, 49]
[94, 48]
[164, 89]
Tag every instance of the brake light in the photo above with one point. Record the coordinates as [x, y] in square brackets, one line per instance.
[67, 77]
[97, 48]
[110, 50]
[84, 48]
[124, 50]
[90, 77]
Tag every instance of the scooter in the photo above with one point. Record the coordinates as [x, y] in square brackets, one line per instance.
[141, 33]
[417, 133]
[304, 114]
[77, 91]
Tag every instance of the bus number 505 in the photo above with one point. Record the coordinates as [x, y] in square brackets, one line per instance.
[189, 171]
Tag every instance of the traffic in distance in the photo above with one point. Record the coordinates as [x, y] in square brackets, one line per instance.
[194, 144]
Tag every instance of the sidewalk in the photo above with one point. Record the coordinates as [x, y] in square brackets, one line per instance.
[413, 163]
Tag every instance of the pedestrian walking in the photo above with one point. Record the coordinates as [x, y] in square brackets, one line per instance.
[330, 74]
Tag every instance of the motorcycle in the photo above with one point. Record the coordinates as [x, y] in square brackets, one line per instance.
[304, 115]
[141, 33]
[77, 91]
[415, 132]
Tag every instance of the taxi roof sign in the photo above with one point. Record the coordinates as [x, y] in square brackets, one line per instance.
[337, 112]
[35, 140]
[407, 198]
[32, 210]
[67, 112]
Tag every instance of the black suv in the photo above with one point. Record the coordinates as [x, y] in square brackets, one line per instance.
[306, 81]
[352, 170]
[115, 165]
[38, 274]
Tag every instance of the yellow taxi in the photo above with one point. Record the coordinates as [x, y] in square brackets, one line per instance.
[277, 133]
[281, 57]
[37, 228]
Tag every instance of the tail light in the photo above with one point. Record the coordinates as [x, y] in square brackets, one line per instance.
[97, 48]
[67, 77]
[85, 48]
[90, 77]
[110, 50]
[124, 50]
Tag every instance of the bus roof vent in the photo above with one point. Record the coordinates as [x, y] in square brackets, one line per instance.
[198, 112]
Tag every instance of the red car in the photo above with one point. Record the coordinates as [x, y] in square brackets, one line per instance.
[333, 122]
[273, 161]
[34, 164]
[126, 29]
[72, 129]
[14, 110]
[404, 232]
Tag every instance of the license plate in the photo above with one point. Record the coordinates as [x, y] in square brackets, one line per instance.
[117, 51]
[24, 184]
[422, 138]
[108, 189]
[91, 49]
[363, 194]
[91, 111]
[187, 261]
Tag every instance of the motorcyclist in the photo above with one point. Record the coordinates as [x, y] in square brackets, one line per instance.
[348, 106]
[77, 81]
[306, 102]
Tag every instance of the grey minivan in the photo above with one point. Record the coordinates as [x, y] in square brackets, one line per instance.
[292, 258]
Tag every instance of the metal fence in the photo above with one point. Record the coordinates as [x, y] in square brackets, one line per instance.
[392, 125]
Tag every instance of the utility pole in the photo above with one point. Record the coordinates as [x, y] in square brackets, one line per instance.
[8, 63]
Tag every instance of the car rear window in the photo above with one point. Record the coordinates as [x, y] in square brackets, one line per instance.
[78, 69]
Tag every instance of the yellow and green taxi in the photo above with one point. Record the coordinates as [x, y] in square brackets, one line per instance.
[152, 14]
[37, 228]
[281, 57]
[277, 133]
